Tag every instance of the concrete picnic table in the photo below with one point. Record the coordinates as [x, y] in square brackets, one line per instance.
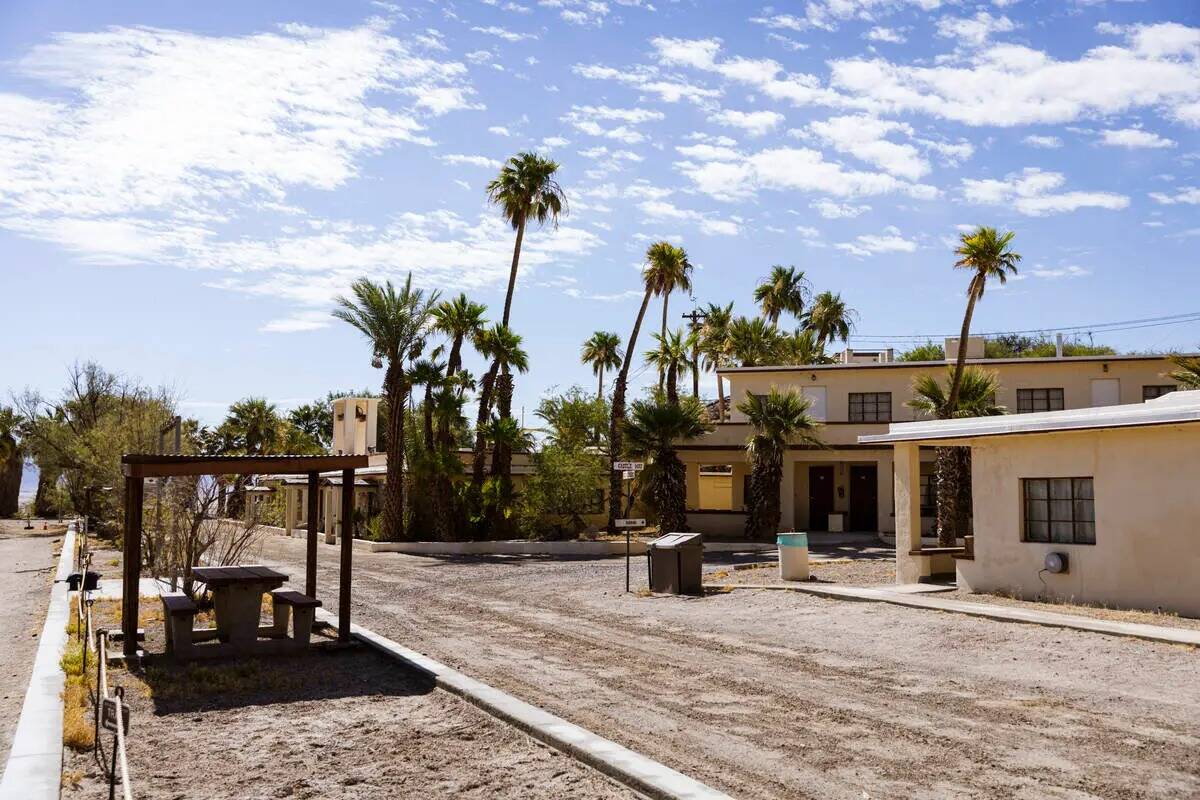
[237, 598]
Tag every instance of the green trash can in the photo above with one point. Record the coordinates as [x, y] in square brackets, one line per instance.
[793, 556]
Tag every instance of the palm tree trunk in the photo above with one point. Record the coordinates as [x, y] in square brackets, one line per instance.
[481, 418]
[512, 275]
[663, 333]
[616, 442]
[720, 398]
[960, 361]
[696, 372]
[10, 479]
[600, 388]
[393, 490]
[950, 517]
[673, 384]
[766, 475]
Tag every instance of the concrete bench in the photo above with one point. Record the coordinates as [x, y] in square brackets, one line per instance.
[302, 609]
[179, 614]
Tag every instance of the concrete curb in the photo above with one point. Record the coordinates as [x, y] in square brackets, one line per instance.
[634, 770]
[34, 769]
[1050, 619]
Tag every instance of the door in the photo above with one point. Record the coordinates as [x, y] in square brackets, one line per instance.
[1106, 392]
[820, 497]
[864, 498]
[816, 396]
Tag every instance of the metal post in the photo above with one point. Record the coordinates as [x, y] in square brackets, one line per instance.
[347, 542]
[627, 560]
[310, 565]
[134, 494]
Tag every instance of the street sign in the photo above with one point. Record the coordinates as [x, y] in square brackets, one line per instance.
[629, 466]
[627, 475]
[108, 715]
[631, 523]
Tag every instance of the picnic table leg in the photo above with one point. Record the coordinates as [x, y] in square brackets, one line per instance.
[238, 609]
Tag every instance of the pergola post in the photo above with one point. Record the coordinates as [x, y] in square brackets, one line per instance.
[908, 511]
[346, 540]
[132, 571]
[310, 563]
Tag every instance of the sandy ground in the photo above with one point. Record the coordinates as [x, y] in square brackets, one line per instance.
[850, 572]
[328, 724]
[26, 572]
[781, 695]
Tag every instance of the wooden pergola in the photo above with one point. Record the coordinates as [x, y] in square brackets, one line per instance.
[137, 467]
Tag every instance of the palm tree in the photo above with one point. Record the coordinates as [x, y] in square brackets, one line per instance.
[427, 372]
[665, 263]
[460, 319]
[1187, 372]
[672, 358]
[525, 190]
[779, 418]
[12, 461]
[676, 273]
[714, 346]
[602, 351]
[395, 323]
[829, 319]
[802, 347]
[653, 431]
[503, 347]
[976, 398]
[753, 343]
[784, 291]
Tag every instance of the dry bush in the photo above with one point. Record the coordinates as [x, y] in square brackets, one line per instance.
[78, 732]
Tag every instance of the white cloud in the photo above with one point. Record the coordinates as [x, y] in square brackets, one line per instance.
[831, 210]
[651, 81]
[587, 120]
[499, 130]
[826, 14]
[1032, 192]
[974, 31]
[881, 34]
[616, 297]
[708, 152]
[504, 33]
[656, 210]
[867, 244]
[1069, 271]
[864, 137]
[1187, 194]
[1134, 138]
[755, 123]
[473, 161]
[719, 227]
[1044, 142]
[298, 322]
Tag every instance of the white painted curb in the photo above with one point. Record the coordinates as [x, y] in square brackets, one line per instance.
[34, 769]
[632, 769]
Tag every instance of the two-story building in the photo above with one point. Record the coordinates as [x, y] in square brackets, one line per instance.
[848, 486]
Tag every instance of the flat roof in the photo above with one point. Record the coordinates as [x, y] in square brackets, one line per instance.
[981, 362]
[1171, 409]
[149, 465]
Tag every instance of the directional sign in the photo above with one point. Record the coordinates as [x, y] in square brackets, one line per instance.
[627, 475]
[629, 466]
[108, 715]
[630, 523]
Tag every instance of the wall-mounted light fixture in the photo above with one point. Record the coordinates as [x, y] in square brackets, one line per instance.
[1105, 367]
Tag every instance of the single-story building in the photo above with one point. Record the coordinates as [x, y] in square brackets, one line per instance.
[1112, 491]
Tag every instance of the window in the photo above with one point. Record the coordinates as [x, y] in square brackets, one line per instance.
[928, 494]
[1151, 392]
[1029, 400]
[870, 406]
[1059, 510]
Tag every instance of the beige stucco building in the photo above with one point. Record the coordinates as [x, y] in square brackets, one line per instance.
[1112, 491]
[848, 484]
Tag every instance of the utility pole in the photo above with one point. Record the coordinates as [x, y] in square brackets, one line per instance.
[695, 320]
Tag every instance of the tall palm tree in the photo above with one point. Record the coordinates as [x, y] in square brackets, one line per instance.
[427, 372]
[654, 430]
[785, 290]
[459, 319]
[753, 343]
[829, 318]
[976, 398]
[801, 347]
[526, 191]
[602, 351]
[664, 264]
[507, 352]
[675, 274]
[395, 323]
[778, 418]
[1186, 372]
[714, 345]
[671, 357]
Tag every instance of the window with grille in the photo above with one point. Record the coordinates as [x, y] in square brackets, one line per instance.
[928, 494]
[1059, 510]
[1030, 400]
[1151, 392]
[870, 406]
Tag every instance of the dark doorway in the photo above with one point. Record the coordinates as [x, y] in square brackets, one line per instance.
[820, 497]
[864, 498]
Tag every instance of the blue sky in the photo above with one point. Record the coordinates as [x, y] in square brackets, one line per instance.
[184, 187]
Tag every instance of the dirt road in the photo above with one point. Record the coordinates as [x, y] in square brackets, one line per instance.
[26, 570]
[773, 694]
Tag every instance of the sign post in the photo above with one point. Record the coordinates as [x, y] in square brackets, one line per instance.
[628, 470]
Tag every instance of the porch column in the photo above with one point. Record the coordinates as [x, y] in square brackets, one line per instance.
[132, 567]
[886, 493]
[331, 500]
[289, 509]
[310, 545]
[693, 486]
[908, 511]
[347, 542]
[738, 500]
[787, 499]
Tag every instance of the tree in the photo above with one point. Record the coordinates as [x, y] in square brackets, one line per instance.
[785, 290]
[714, 346]
[664, 264]
[653, 431]
[460, 320]
[574, 419]
[976, 398]
[12, 461]
[802, 347]
[395, 323]
[1186, 372]
[561, 491]
[525, 190]
[503, 347]
[923, 352]
[602, 351]
[753, 343]
[673, 271]
[778, 419]
[672, 358]
[829, 319]
[506, 351]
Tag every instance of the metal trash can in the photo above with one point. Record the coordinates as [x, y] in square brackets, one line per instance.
[676, 561]
[793, 556]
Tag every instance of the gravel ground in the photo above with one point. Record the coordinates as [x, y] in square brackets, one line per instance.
[25, 578]
[1096, 612]
[329, 724]
[783, 695]
[846, 572]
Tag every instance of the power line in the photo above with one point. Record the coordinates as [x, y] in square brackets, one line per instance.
[1099, 327]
